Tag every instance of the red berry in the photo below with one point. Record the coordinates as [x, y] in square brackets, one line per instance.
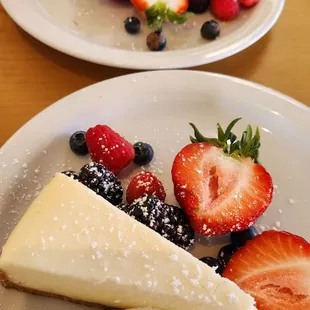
[145, 183]
[225, 9]
[275, 269]
[248, 3]
[108, 148]
[220, 194]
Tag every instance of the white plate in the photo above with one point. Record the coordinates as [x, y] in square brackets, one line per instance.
[93, 30]
[156, 107]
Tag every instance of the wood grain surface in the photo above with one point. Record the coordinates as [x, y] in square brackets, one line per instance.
[33, 76]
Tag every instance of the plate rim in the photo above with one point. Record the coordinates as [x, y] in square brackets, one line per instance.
[235, 80]
[137, 60]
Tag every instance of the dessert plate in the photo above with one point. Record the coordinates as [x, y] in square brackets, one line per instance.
[156, 107]
[94, 31]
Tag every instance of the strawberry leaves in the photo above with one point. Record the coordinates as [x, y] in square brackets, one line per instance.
[248, 146]
[158, 13]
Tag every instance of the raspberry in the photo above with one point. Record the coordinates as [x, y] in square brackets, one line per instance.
[108, 148]
[225, 9]
[145, 183]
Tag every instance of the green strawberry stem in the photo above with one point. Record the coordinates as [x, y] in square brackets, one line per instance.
[248, 146]
[158, 13]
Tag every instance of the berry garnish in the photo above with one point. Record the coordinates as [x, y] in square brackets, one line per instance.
[219, 182]
[169, 221]
[213, 262]
[78, 143]
[71, 174]
[132, 25]
[274, 268]
[144, 153]
[198, 6]
[239, 238]
[225, 9]
[156, 41]
[159, 11]
[225, 254]
[102, 181]
[145, 182]
[210, 30]
[108, 148]
[248, 3]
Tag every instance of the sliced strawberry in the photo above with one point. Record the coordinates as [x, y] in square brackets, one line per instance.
[145, 182]
[248, 3]
[158, 11]
[107, 147]
[225, 9]
[222, 188]
[275, 269]
[220, 194]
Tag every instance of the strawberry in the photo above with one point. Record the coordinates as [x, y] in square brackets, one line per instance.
[248, 3]
[275, 269]
[108, 148]
[145, 182]
[158, 11]
[225, 9]
[219, 182]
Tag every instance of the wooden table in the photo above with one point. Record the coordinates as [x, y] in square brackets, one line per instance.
[33, 76]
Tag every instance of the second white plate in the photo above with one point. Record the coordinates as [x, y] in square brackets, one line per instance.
[94, 31]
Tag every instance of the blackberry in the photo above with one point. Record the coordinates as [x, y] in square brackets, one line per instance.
[71, 174]
[198, 6]
[102, 181]
[124, 207]
[169, 221]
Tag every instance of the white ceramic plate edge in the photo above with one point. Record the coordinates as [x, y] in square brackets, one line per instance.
[45, 112]
[79, 48]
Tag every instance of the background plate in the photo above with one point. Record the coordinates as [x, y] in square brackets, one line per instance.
[156, 107]
[93, 30]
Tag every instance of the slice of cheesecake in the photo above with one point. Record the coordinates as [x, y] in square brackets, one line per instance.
[73, 244]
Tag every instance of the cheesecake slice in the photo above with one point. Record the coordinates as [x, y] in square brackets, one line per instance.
[73, 244]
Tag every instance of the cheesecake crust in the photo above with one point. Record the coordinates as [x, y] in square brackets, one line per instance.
[5, 282]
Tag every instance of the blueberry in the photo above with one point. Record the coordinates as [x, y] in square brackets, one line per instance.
[78, 143]
[132, 25]
[225, 254]
[198, 6]
[240, 238]
[144, 153]
[156, 41]
[213, 262]
[210, 30]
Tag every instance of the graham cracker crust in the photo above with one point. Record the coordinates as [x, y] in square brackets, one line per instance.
[5, 282]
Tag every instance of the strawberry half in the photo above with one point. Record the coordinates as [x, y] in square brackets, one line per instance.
[219, 183]
[145, 182]
[158, 11]
[108, 148]
[275, 269]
